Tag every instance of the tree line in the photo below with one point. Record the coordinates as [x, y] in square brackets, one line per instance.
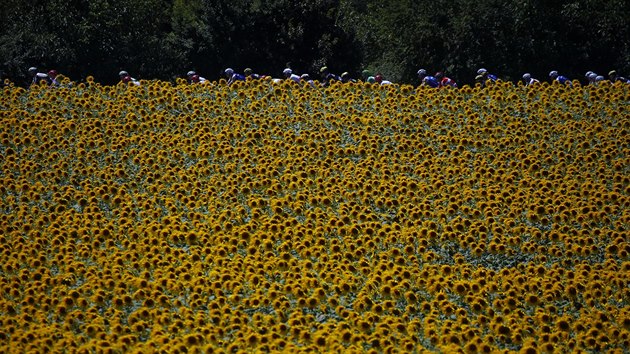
[160, 39]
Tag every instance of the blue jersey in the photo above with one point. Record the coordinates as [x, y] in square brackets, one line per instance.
[431, 81]
[563, 80]
[492, 77]
[329, 78]
[236, 77]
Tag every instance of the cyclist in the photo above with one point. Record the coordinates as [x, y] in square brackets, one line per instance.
[37, 77]
[486, 76]
[554, 76]
[232, 76]
[614, 77]
[379, 78]
[194, 78]
[289, 75]
[590, 77]
[422, 74]
[327, 76]
[249, 74]
[427, 80]
[365, 74]
[54, 78]
[445, 81]
[345, 78]
[126, 78]
[529, 80]
[307, 79]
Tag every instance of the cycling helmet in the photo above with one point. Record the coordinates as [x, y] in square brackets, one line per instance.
[553, 74]
[32, 69]
[526, 76]
[612, 73]
[588, 74]
[481, 71]
[422, 72]
[287, 72]
[305, 77]
[599, 78]
[248, 71]
[439, 75]
[324, 69]
[229, 71]
[191, 73]
[123, 73]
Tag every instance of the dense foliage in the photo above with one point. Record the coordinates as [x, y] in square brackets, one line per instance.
[274, 217]
[163, 39]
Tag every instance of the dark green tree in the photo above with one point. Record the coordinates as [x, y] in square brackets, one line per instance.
[165, 38]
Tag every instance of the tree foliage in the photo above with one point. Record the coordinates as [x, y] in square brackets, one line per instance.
[163, 39]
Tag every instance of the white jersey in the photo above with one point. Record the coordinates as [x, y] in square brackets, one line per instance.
[39, 77]
[295, 78]
[531, 82]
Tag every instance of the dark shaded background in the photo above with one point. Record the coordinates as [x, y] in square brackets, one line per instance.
[158, 39]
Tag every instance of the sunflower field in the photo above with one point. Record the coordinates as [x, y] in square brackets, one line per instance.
[264, 217]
